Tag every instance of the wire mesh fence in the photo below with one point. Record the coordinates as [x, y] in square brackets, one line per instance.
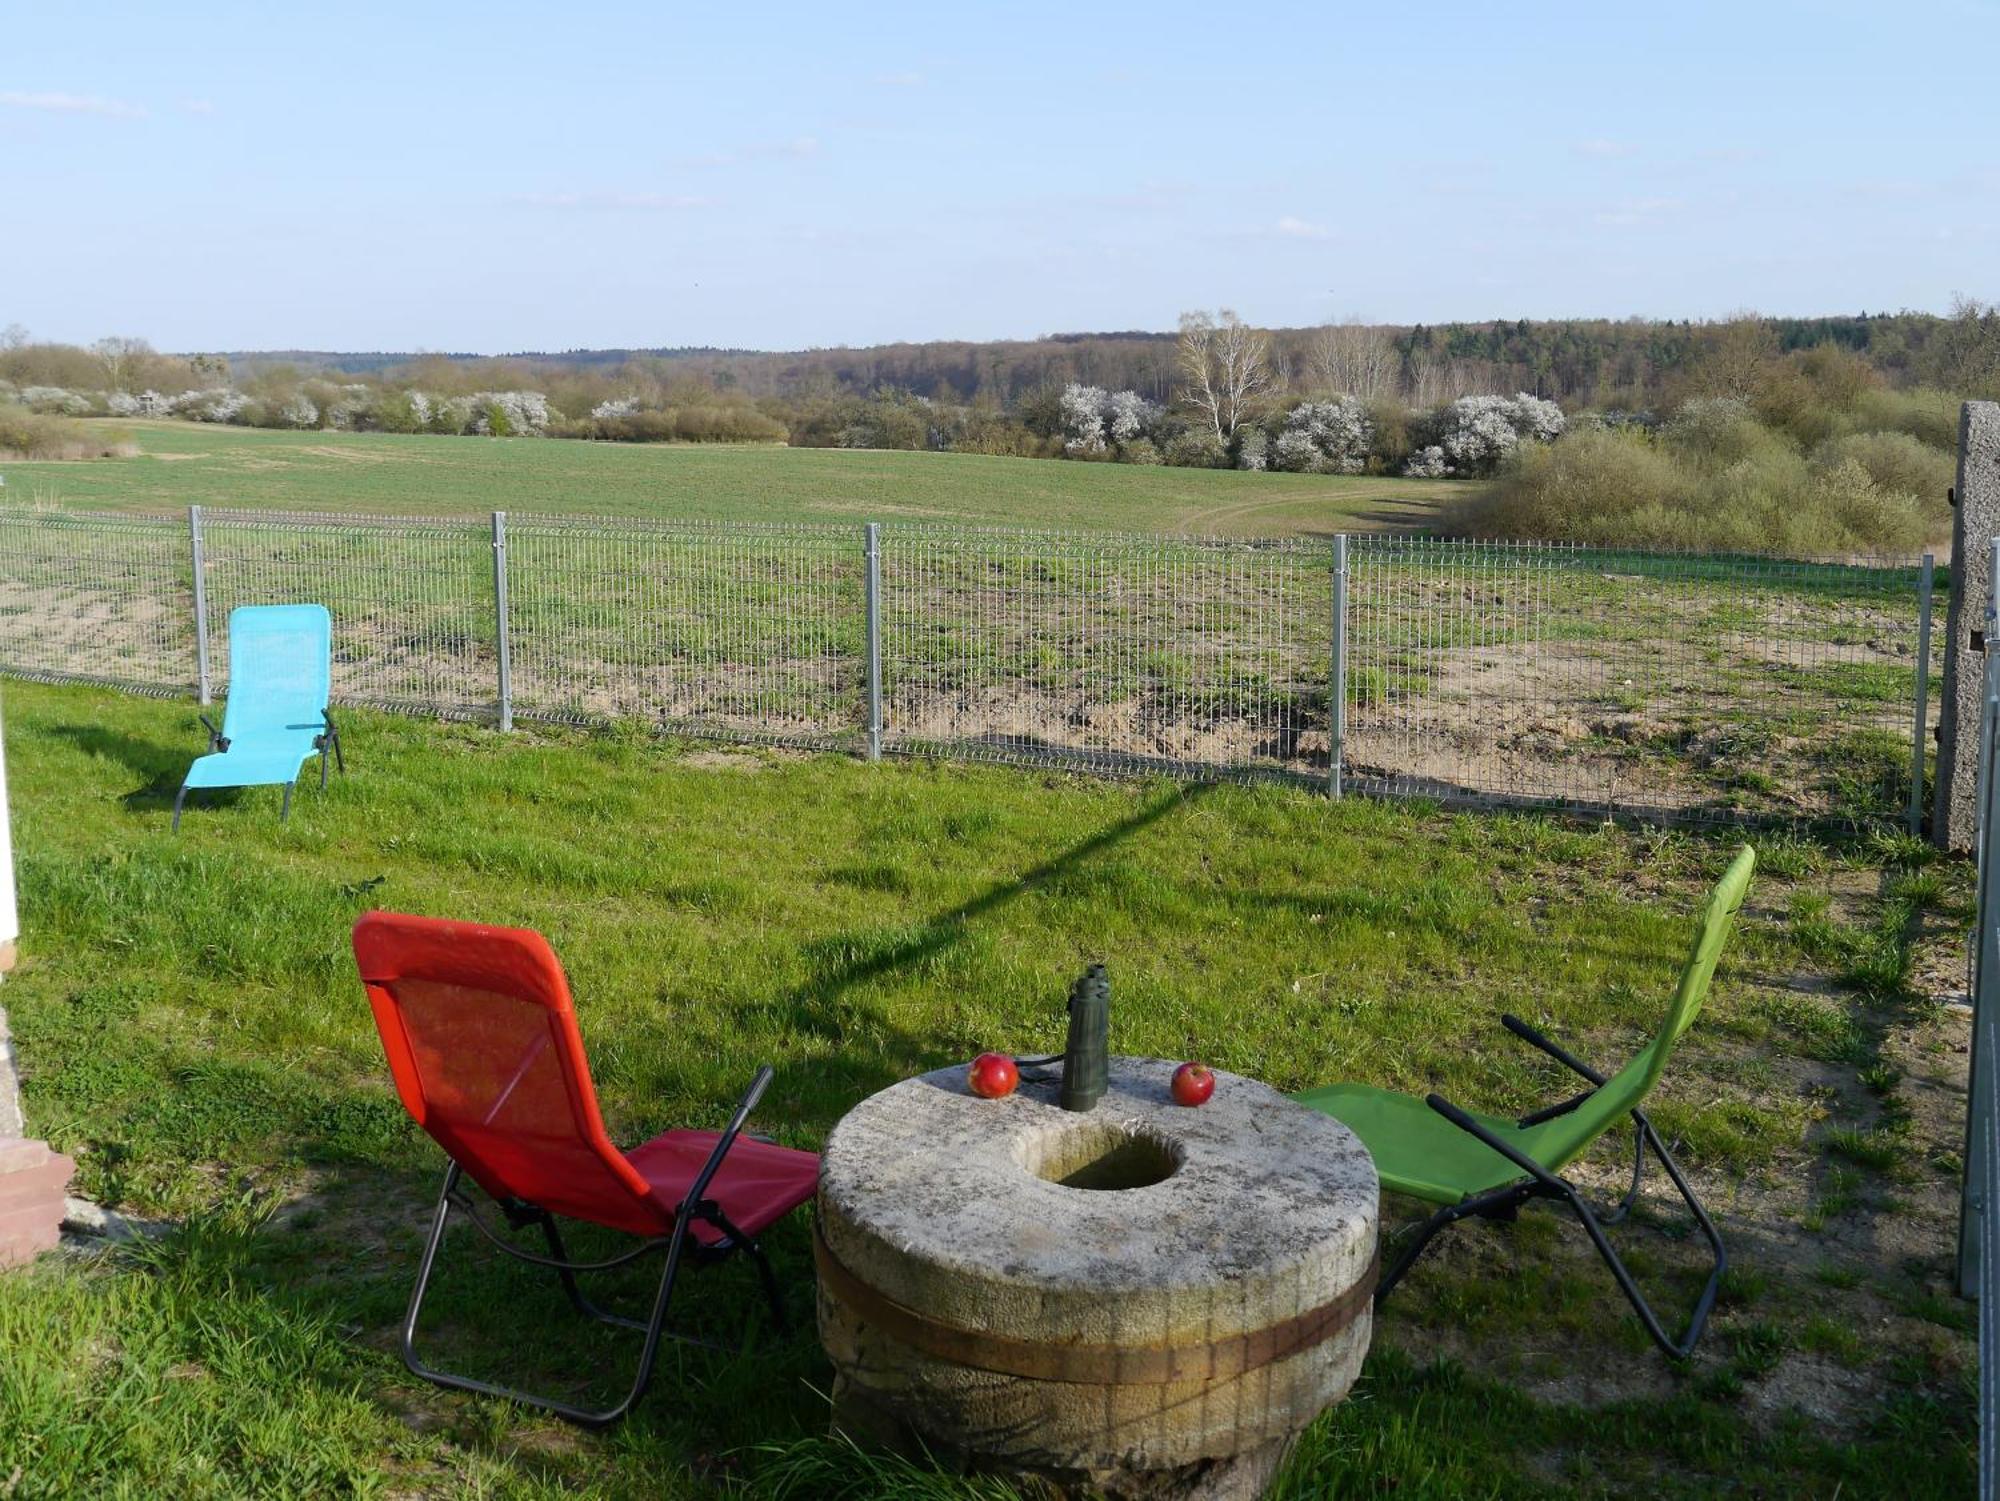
[1633, 682]
[98, 599]
[1661, 685]
[412, 600]
[1120, 652]
[750, 632]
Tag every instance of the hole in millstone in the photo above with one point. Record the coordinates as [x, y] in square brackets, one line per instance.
[1100, 1155]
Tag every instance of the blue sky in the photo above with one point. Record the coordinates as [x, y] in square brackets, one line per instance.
[500, 176]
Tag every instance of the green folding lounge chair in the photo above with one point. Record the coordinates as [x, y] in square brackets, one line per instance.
[1476, 1164]
[280, 673]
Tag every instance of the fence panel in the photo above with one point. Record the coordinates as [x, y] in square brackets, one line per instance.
[1723, 689]
[97, 598]
[1119, 652]
[1673, 685]
[412, 601]
[743, 632]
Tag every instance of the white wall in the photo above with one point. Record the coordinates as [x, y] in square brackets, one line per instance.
[10, 922]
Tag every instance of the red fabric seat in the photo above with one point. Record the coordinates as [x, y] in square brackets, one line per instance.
[757, 1185]
[482, 1040]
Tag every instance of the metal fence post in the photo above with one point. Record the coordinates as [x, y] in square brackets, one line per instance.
[200, 608]
[1336, 680]
[500, 619]
[1917, 730]
[872, 553]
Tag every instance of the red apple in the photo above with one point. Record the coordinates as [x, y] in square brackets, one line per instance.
[992, 1076]
[1193, 1084]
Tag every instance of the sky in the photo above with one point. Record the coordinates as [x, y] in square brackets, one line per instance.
[502, 177]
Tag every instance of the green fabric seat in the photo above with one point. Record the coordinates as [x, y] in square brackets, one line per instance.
[1484, 1165]
[1416, 1150]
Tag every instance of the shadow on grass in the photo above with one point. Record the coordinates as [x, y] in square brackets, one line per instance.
[856, 958]
[163, 767]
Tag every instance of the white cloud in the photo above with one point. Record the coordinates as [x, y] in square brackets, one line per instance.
[1600, 147]
[644, 202]
[1297, 229]
[73, 104]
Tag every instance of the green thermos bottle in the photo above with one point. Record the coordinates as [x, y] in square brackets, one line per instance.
[1087, 1056]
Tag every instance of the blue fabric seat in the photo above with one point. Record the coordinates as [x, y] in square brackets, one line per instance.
[280, 676]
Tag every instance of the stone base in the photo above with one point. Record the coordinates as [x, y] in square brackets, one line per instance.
[32, 1180]
[1240, 1477]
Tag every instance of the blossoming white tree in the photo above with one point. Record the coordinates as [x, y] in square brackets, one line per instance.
[1223, 361]
[1324, 437]
[1475, 433]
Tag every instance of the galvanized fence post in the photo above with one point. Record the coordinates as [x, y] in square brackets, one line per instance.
[500, 624]
[200, 608]
[1917, 730]
[1336, 680]
[872, 553]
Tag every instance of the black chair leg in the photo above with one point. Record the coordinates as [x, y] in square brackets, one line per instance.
[1497, 1205]
[285, 813]
[322, 768]
[1545, 1184]
[583, 1417]
[769, 1280]
[179, 798]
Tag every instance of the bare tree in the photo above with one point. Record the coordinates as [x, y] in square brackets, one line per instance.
[13, 336]
[1435, 378]
[1223, 361]
[120, 356]
[1353, 359]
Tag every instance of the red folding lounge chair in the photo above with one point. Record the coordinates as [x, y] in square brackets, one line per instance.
[483, 1042]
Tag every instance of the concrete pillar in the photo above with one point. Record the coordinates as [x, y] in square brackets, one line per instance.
[1975, 522]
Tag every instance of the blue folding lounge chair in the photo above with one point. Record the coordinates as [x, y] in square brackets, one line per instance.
[280, 673]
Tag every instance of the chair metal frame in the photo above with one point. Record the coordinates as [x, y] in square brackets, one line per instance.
[1504, 1203]
[218, 743]
[679, 1245]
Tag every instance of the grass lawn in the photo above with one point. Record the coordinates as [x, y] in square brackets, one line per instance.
[184, 463]
[190, 1026]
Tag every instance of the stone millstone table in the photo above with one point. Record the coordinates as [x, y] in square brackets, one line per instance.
[1145, 1300]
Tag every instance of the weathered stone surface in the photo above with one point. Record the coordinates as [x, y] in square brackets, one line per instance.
[1975, 522]
[949, 1205]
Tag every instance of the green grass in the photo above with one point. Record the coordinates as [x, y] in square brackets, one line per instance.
[191, 1029]
[184, 463]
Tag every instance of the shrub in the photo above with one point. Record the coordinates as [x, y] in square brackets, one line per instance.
[1324, 437]
[1587, 488]
[1196, 448]
[1896, 462]
[1389, 450]
[1083, 420]
[25, 434]
[1930, 416]
[1618, 487]
[1427, 463]
[1141, 451]
[1713, 432]
[1475, 433]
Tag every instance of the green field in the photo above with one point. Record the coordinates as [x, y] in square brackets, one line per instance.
[189, 1026]
[182, 464]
